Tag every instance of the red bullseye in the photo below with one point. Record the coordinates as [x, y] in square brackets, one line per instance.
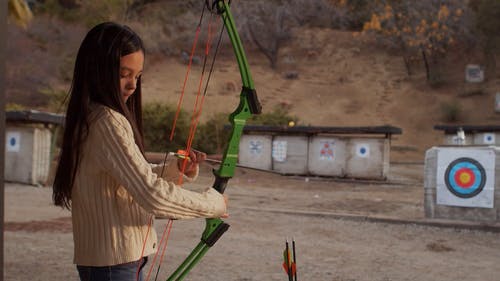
[465, 178]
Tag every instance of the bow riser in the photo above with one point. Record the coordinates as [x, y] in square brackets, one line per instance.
[249, 105]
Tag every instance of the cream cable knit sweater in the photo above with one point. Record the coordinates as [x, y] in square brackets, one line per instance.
[116, 190]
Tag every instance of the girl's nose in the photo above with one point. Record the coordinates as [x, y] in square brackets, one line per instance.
[131, 84]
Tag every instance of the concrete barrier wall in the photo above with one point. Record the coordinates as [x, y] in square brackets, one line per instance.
[367, 158]
[294, 160]
[482, 138]
[27, 155]
[255, 151]
[486, 138]
[317, 155]
[327, 156]
[435, 210]
[41, 155]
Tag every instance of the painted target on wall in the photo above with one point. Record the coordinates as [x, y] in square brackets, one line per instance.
[489, 138]
[362, 150]
[465, 177]
[255, 147]
[13, 141]
[326, 150]
[279, 151]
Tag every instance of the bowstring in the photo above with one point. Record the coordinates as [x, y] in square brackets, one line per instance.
[188, 70]
[197, 113]
[198, 106]
[194, 123]
[169, 223]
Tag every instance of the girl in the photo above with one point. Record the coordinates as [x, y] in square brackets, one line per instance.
[102, 175]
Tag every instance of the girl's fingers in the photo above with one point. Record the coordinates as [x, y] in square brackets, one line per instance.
[192, 156]
[197, 156]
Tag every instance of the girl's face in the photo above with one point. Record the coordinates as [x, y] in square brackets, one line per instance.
[131, 67]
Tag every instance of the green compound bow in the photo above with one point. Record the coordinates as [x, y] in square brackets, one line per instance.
[249, 104]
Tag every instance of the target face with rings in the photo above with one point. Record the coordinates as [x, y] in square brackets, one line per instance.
[465, 177]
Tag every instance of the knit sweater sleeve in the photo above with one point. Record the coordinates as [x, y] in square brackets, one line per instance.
[169, 170]
[122, 159]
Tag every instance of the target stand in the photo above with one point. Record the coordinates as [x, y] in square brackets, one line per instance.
[460, 183]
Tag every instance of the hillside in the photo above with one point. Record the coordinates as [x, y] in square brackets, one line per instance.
[342, 81]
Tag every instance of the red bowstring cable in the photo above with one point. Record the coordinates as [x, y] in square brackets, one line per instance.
[194, 122]
[188, 70]
[169, 223]
[198, 106]
[163, 238]
[166, 242]
[143, 248]
[185, 82]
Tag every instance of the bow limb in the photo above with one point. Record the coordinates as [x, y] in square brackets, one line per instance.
[248, 105]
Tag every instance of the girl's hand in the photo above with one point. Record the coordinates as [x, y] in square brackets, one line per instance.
[226, 215]
[193, 159]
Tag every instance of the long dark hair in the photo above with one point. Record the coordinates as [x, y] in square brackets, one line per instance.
[96, 79]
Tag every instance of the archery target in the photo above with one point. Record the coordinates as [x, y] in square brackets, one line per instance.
[362, 150]
[13, 141]
[489, 138]
[255, 147]
[465, 177]
[326, 149]
[279, 151]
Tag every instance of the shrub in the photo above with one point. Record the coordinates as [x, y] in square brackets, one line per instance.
[56, 99]
[451, 111]
[278, 117]
[212, 136]
[14, 107]
[157, 122]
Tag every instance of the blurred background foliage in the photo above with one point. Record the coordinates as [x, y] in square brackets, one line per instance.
[210, 137]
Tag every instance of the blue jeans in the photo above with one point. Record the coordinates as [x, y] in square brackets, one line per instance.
[119, 272]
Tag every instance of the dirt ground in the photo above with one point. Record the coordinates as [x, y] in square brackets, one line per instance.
[344, 231]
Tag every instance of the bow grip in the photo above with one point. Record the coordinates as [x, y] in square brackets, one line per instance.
[220, 183]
